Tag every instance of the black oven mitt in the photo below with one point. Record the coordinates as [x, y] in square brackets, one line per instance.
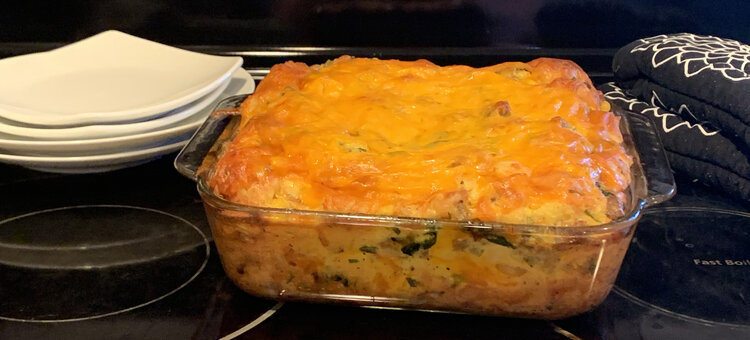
[702, 78]
[695, 150]
[692, 109]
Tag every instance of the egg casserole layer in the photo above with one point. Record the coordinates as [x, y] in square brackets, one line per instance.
[529, 143]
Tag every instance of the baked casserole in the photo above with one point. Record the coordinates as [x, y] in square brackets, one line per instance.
[426, 151]
[527, 143]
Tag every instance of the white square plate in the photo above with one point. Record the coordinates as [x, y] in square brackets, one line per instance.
[112, 130]
[93, 164]
[107, 78]
[240, 83]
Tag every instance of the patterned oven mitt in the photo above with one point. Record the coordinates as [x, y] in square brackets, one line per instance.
[702, 78]
[696, 150]
[698, 89]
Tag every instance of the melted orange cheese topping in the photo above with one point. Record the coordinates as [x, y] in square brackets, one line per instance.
[514, 142]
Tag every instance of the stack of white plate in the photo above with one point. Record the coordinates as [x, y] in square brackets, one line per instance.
[108, 102]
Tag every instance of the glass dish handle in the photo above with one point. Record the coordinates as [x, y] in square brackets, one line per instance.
[659, 178]
[192, 154]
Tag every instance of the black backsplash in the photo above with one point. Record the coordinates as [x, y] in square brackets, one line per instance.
[376, 23]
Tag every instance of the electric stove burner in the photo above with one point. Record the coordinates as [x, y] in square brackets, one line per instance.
[692, 264]
[84, 262]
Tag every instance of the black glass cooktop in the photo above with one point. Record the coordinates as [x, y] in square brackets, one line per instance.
[127, 254]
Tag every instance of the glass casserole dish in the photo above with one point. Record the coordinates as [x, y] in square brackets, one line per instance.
[475, 267]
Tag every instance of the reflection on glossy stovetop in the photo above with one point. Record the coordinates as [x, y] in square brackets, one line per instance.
[210, 306]
[94, 261]
[697, 262]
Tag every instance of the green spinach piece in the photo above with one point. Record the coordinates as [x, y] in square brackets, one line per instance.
[604, 191]
[369, 249]
[424, 241]
[487, 234]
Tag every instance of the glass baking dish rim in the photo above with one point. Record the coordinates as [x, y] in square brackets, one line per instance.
[626, 221]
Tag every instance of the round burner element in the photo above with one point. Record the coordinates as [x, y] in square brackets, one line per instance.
[84, 262]
[691, 263]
